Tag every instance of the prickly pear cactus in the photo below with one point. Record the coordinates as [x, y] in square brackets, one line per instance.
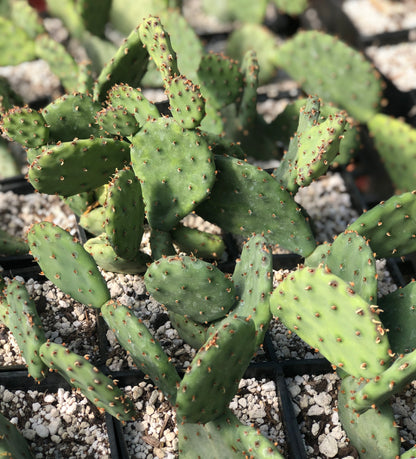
[82, 165]
[352, 84]
[394, 140]
[95, 385]
[72, 116]
[390, 226]
[374, 433]
[212, 379]
[225, 437]
[192, 332]
[12, 442]
[21, 318]
[145, 351]
[191, 287]
[330, 316]
[351, 258]
[399, 317]
[124, 214]
[66, 263]
[25, 126]
[11, 245]
[253, 280]
[246, 200]
[176, 170]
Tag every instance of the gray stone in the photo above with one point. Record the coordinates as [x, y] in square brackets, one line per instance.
[329, 447]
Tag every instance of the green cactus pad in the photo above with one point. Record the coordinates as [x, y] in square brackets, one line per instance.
[259, 38]
[95, 385]
[26, 17]
[23, 321]
[191, 287]
[374, 433]
[199, 243]
[145, 351]
[25, 126]
[128, 65]
[253, 280]
[246, 200]
[12, 443]
[65, 262]
[176, 170]
[409, 454]
[161, 244]
[81, 165]
[123, 95]
[389, 382]
[322, 64]
[326, 313]
[124, 211]
[61, 63]
[193, 333]
[212, 379]
[95, 15]
[186, 102]
[390, 226]
[241, 10]
[11, 245]
[351, 258]
[72, 116]
[394, 140]
[94, 221]
[15, 38]
[291, 7]
[100, 249]
[225, 437]
[157, 42]
[81, 202]
[117, 121]
[220, 79]
[399, 317]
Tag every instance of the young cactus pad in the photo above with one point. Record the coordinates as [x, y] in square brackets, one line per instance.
[350, 257]
[74, 167]
[246, 200]
[326, 313]
[124, 214]
[81, 374]
[253, 280]
[224, 438]
[212, 379]
[67, 264]
[374, 433]
[390, 226]
[12, 443]
[176, 170]
[190, 286]
[22, 319]
[145, 351]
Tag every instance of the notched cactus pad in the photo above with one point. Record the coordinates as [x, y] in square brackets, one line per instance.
[176, 170]
[191, 287]
[326, 313]
[66, 263]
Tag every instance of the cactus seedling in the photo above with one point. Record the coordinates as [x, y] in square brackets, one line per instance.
[191, 287]
[212, 379]
[66, 263]
[145, 351]
[80, 373]
[312, 301]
